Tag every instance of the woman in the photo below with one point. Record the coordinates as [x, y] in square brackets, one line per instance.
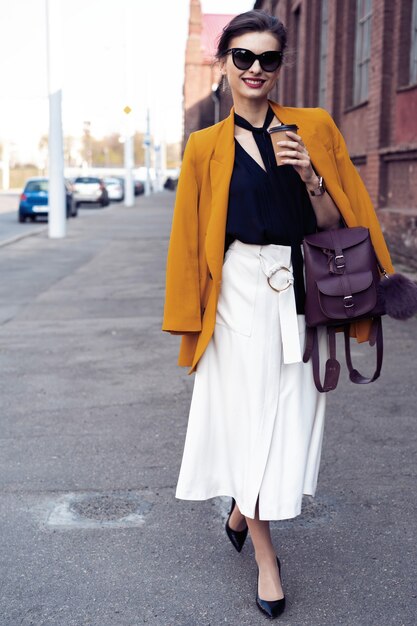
[235, 291]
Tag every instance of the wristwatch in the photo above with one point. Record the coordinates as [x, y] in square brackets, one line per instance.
[319, 191]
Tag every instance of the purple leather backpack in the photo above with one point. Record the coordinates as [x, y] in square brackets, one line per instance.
[342, 280]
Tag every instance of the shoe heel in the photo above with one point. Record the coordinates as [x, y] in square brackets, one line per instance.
[270, 608]
[237, 537]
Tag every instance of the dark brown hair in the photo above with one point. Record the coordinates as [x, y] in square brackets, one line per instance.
[251, 21]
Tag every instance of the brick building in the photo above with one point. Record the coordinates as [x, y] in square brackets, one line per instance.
[201, 73]
[358, 60]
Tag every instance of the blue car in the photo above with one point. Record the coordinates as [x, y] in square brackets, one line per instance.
[34, 200]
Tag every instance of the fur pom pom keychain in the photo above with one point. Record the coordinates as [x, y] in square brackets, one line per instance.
[398, 294]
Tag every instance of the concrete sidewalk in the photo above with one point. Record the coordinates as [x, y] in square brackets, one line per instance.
[92, 425]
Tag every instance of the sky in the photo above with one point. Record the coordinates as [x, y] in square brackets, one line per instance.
[114, 53]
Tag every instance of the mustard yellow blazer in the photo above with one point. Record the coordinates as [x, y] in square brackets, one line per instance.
[196, 248]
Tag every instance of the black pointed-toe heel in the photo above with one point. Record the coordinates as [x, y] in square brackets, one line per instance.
[270, 608]
[237, 537]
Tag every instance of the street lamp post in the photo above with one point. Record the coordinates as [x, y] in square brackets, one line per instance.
[57, 223]
[158, 165]
[147, 146]
[129, 153]
[128, 159]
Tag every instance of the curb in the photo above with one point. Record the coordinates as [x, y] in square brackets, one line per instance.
[29, 233]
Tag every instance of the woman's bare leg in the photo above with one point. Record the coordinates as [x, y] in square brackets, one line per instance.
[269, 580]
[237, 521]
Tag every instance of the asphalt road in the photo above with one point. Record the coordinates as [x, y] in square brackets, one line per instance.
[92, 423]
[10, 229]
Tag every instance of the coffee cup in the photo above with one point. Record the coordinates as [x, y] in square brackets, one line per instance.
[278, 133]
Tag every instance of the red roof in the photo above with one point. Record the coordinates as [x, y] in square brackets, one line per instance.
[212, 28]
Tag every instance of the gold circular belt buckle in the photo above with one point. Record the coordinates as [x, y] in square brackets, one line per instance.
[286, 287]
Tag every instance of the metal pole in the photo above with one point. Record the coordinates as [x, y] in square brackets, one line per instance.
[147, 144]
[158, 165]
[129, 157]
[128, 162]
[57, 223]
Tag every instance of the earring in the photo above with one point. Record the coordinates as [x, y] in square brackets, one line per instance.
[224, 83]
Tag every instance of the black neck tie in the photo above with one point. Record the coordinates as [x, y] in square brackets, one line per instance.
[262, 138]
[279, 176]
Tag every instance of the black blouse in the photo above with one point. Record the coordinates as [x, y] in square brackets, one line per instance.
[271, 206]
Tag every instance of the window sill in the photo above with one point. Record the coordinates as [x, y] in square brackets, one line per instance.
[354, 107]
[407, 88]
[358, 159]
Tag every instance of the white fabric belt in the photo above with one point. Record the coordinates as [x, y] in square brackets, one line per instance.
[281, 279]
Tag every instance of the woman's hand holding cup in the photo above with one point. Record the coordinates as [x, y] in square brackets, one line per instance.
[289, 149]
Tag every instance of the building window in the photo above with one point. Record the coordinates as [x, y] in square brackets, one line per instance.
[324, 20]
[413, 46]
[362, 50]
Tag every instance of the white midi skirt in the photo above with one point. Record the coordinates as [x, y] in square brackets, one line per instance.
[256, 420]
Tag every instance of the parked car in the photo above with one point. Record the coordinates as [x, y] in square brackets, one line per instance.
[34, 199]
[171, 183]
[115, 188]
[90, 189]
[138, 186]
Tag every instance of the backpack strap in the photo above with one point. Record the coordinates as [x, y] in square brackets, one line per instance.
[332, 371]
[375, 337]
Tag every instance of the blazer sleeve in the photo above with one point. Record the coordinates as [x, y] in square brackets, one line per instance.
[363, 211]
[182, 310]
[358, 196]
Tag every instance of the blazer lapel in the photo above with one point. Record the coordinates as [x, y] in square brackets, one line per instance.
[221, 168]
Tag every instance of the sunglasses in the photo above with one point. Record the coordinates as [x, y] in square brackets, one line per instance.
[244, 59]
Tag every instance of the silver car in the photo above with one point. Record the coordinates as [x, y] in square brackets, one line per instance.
[90, 189]
[114, 188]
